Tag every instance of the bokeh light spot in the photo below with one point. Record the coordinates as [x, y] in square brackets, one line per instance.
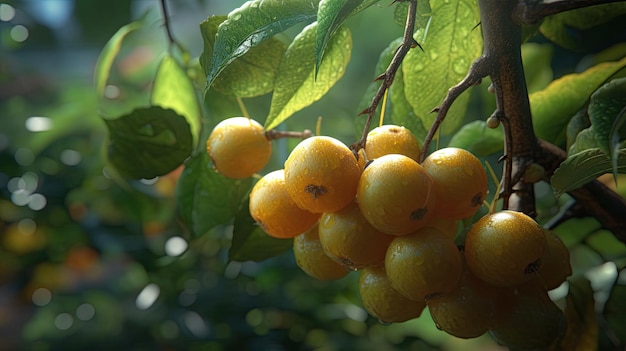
[71, 157]
[148, 296]
[41, 297]
[85, 312]
[196, 324]
[175, 246]
[38, 124]
[63, 321]
[24, 157]
[7, 12]
[27, 226]
[37, 202]
[19, 33]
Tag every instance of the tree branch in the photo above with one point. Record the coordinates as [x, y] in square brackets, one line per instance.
[387, 77]
[533, 11]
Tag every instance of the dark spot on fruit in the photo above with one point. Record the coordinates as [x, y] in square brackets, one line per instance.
[477, 200]
[419, 213]
[533, 267]
[315, 190]
[394, 130]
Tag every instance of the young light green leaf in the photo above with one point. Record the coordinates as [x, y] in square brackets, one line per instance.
[477, 138]
[250, 243]
[148, 142]
[173, 89]
[583, 167]
[330, 15]
[553, 106]
[254, 73]
[206, 198]
[450, 46]
[108, 54]
[401, 112]
[250, 24]
[422, 15]
[296, 86]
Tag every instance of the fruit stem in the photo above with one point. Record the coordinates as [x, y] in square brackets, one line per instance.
[242, 107]
[387, 77]
[277, 134]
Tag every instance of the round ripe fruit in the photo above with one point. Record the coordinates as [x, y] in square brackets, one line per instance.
[447, 226]
[391, 139]
[459, 180]
[322, 174]
[555, 263]
[350, 240]
[424, 263]
[310, 257]
[384, 302]
[504, 248]
[469, 310]
[395, 195]
[530, 320]
[274, 211]
[238, 147]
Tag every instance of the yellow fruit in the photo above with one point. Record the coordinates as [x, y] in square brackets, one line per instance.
[395, 195]
[350, 240]
[422, 264]
[504, 248]
[447, 226]
[238, 147]
[392, 139]
[469, 310]
[273, 209]
[384, 302]
[310, 257]
[555, 264]
[322, 174]
[528, 320]
[459, 180]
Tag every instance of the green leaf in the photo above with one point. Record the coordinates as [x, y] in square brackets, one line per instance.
[450, 45]
[254, 73]
[422, 15]
[477, 138]
[206, 198]
[296, 86]
[148, 142]
[108, 54]
[605, 242]
[606, 113]
[615, 311]
[586, 139]
[250, 243]
[330, 16]
[568, 28]
[250, 24]
[553, 106]
[582, 323]
[173, 89]
[578, 123]
[208, 29]
[583, 167]
[537, 65]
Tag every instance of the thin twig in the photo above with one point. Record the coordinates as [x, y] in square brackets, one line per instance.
[478, 70]
[166, 22]
[278, 134]
[387, 77]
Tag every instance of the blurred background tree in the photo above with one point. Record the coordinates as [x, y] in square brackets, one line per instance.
[87, 262]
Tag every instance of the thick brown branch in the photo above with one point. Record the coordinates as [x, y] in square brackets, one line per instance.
[531, 12]
[595, 198]
[387, 77]
[278, 134]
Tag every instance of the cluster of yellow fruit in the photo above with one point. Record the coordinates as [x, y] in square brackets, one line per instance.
[396, 221]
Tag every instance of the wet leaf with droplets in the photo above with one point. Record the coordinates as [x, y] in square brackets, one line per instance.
[450, 45]
[296, 84]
